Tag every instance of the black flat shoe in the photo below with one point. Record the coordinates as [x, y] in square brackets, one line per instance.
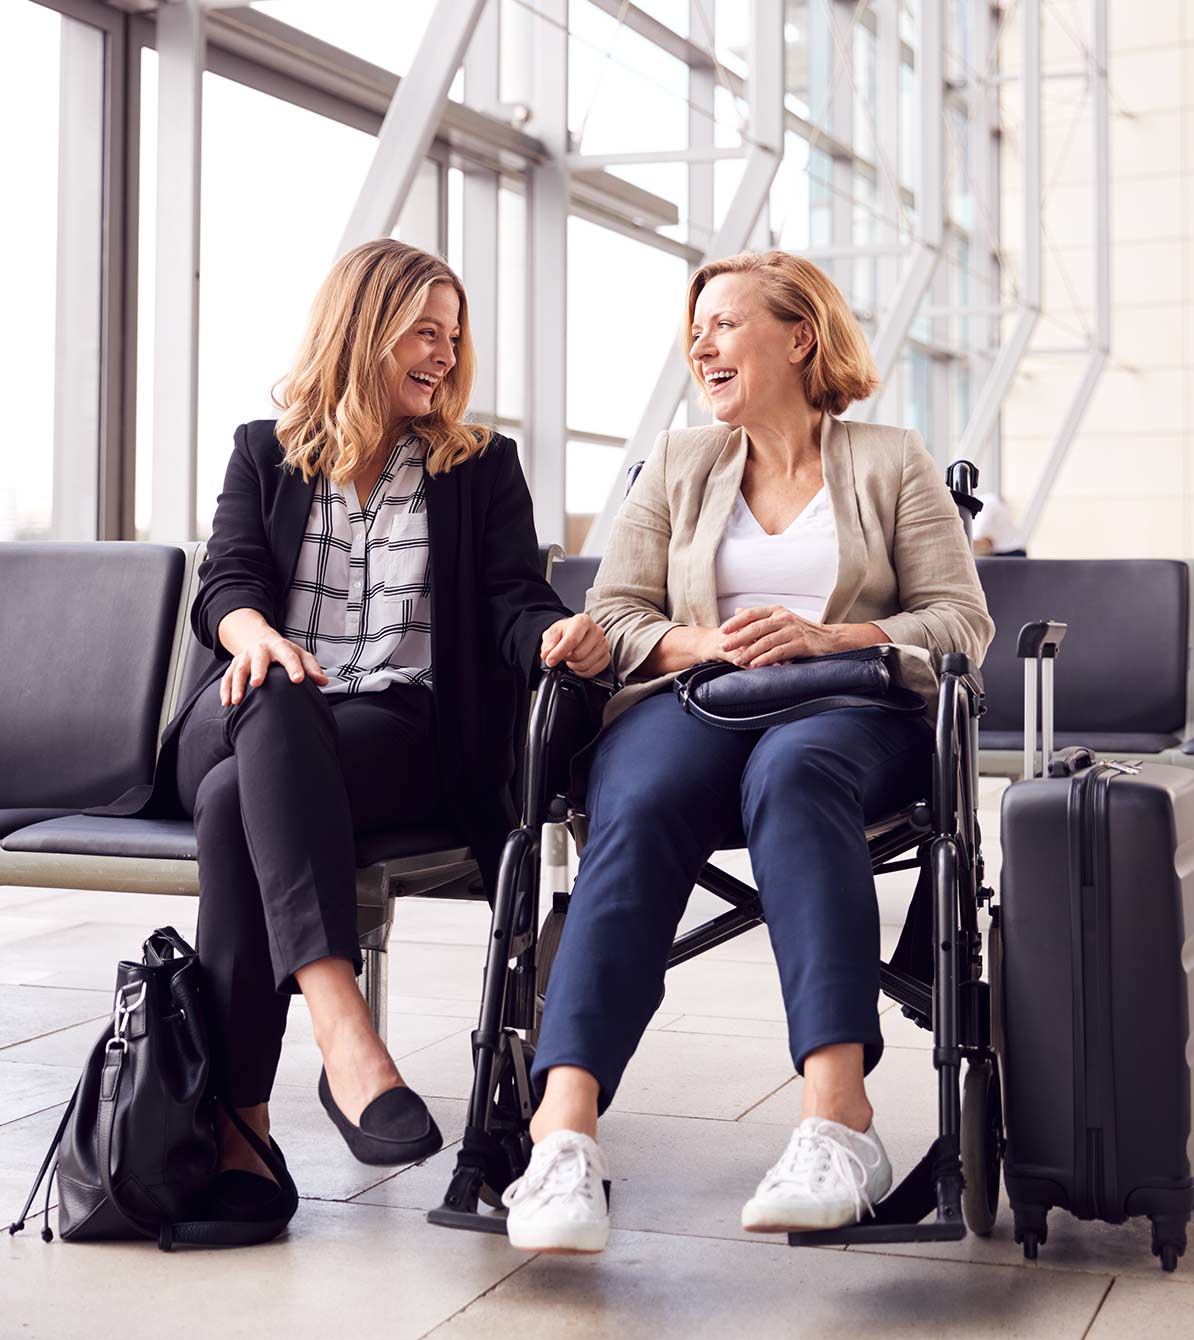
[244, 1197]
[395, 1128]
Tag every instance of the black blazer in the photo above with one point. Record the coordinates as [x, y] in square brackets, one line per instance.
[490, 604]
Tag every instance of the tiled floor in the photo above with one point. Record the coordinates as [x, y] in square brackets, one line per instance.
[705, 1108]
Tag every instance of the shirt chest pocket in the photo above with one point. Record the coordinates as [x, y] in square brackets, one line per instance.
[404, 568]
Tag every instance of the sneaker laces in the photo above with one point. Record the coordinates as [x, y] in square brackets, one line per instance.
[815, 1153]
[561, 1171]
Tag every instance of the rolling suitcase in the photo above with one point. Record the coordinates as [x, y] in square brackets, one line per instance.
[1094, 958]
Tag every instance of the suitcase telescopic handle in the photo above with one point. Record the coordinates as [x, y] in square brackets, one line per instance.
[1038, 645]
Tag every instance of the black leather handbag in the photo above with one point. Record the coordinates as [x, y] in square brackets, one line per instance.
[724, 695]
[136, 1146]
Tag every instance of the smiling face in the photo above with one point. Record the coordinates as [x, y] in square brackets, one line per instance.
[747, 359]
[425, 354]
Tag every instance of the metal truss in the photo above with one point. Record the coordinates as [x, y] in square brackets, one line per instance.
[411, 121]
[766, 130]
[1100, 347]
[922, 263]
[181, 49]
[976, 438]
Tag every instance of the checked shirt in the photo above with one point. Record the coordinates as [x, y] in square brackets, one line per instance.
[360, 601]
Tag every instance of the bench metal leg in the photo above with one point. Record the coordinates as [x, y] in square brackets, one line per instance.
[375, 916]
[374, 981]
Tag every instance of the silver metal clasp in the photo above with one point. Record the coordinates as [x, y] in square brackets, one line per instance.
[123, 1008]
[1129, 766]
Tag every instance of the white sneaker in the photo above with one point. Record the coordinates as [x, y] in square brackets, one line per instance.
[559, 1204]
[828, 1176]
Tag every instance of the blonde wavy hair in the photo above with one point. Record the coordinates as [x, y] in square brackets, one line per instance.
[335, 398]
[839, 368]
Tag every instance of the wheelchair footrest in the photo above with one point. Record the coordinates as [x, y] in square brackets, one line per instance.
[471, 1221]
[866, 1234]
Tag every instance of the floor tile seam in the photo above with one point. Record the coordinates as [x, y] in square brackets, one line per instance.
[1099, 1305]
[393, 1177]
[765, 1098]
[522, 1265]
[65, 1028]
[12, 1121]
[59, 986]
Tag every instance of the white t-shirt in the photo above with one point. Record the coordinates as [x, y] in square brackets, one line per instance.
[796, 569]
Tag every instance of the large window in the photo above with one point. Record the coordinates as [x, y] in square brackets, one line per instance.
[51, 155]
[278, 184]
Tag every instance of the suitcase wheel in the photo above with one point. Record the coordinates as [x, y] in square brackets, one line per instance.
[1031, 1228]
[1169, 1239]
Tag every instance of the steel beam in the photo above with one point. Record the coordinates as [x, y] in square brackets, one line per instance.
[546, 369]
[930, 204]
[985, 238]
[887, 149]
[411, 122]
[976, 438]
[1101, 349]
[702, 87]
[766, 133]
[181, 47]
[702, 154]
[479, 224]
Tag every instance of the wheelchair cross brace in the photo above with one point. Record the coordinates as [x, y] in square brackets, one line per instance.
[954, 1003]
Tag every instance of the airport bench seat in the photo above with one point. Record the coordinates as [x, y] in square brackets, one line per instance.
[98, 656]
[1123, 679]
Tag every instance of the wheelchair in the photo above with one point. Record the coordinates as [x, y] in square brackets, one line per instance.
[935, 973]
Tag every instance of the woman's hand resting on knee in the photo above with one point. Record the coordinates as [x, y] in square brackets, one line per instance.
[579, 643]
[255, 646]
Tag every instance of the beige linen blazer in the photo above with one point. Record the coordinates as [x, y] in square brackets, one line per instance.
[903, 560]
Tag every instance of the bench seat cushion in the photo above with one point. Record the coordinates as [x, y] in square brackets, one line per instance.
[174, 839]
[11, 820]
[1127, 742]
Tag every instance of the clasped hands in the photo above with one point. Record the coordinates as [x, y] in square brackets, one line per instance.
[767, 635]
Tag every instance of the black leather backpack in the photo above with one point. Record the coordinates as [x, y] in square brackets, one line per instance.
[136, 1146]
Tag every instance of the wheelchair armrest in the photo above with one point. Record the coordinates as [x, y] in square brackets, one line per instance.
[565, 718]
[958, 665]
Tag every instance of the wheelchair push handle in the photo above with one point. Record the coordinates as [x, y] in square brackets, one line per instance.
[1038, 646]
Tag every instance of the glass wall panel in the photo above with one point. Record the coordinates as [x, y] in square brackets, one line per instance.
[625, 306]
[52, 105]
[386, 35]
[28, 252]
[269, 230]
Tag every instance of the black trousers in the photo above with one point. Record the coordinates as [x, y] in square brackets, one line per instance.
[278, 785]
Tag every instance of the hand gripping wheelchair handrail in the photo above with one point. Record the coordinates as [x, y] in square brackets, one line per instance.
[944, 984]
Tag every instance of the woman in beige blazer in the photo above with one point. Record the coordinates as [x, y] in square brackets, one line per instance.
[779, 532]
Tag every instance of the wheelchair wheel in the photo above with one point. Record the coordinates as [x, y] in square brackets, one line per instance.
[511, 1150]
[982, 1146]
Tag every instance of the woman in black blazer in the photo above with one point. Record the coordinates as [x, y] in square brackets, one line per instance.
[373, 589]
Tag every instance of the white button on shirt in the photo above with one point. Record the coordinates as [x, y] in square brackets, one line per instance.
[360, 600]
[796, 569]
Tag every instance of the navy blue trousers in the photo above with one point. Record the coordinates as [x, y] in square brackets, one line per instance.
[665, 792]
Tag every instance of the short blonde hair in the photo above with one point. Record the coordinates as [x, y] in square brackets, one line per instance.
[335, 399]
[839, 368]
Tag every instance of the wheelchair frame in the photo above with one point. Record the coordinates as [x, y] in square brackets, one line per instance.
[955, 1004]
[938, 984]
